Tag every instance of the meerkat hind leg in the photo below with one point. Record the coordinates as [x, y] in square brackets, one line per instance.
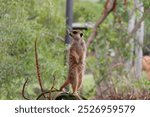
[80, 81]
[64, 85]
[74, 80]
[74, 86]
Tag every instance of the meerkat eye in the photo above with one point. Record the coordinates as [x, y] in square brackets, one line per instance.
[74, 32]
[81, 34]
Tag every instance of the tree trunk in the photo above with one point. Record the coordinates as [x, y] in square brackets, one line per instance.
[139, 40]
[131, 26]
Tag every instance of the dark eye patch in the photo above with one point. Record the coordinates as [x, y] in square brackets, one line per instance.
[74, 32]
[81, 34]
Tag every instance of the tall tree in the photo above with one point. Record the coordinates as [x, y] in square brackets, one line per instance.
[131, 25]
[139, 39]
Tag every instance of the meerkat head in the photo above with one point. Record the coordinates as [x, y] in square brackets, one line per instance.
[76, 35]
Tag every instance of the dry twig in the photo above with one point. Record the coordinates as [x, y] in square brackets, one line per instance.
[38, 69]
[23, 90]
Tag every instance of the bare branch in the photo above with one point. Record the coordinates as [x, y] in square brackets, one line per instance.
[138, 25]
[52, 87]
[109, 7]
[38, 69]
[23, 90]
[46, 92]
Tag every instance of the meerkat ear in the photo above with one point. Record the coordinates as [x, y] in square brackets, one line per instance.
[81, 34]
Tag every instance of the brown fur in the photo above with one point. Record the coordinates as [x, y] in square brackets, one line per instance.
[146, 65]
[77, 54]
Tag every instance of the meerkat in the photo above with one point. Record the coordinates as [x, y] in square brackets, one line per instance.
[76, 58]
[146, 65]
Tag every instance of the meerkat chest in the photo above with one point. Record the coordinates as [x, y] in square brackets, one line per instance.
[78, 47]
[82, 46]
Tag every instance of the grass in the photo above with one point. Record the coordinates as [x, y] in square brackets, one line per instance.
[89, 88]
[122, 88]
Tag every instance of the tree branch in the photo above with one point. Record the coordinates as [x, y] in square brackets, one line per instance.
[138, 24]
[23, 94]
[38, 69]
[110, 5]
[52, 87]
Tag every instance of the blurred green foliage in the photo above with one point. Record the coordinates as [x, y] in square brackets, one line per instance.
[111, 48]
[23, 21]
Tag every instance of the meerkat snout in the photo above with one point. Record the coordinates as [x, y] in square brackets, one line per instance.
[76, 34]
